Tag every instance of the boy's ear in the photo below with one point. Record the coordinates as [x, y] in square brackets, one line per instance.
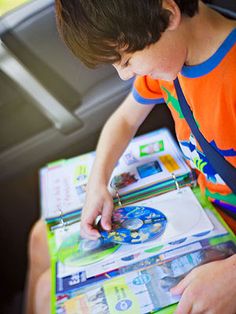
[175, 14]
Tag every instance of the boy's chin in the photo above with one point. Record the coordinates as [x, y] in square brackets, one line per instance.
[165, 77]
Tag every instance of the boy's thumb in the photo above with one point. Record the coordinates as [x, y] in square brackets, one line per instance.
[106, 216]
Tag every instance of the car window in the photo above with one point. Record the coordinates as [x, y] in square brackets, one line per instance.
[7, 5]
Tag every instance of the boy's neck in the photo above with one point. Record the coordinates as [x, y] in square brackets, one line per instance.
[204, 34]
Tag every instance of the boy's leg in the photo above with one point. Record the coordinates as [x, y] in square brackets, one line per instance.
[39, 262]
[42, 294]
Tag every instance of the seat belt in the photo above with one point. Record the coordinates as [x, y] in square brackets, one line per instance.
[217, 161]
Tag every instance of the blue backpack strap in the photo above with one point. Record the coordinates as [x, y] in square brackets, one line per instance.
[217, 161]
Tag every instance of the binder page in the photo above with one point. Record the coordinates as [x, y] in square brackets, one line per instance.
[91, 258]
[148, 159]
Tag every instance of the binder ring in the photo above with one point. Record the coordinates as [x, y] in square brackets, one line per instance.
[118, 197]
[62, 221]
[113, 186]
[176, 182]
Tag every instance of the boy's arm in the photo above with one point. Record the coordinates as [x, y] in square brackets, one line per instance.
[115, 136]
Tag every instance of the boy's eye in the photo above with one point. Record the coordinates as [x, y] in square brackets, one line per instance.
[124, 65]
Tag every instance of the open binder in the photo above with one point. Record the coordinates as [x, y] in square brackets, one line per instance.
[151, 165]
[91, 276]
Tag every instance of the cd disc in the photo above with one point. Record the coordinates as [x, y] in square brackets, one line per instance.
[135, 224]
[75, 251]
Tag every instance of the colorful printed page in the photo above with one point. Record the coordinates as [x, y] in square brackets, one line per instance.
[63, 185]
[185, 219]
[145, 290]
[149, 159]
[81, 265]
[76, 269]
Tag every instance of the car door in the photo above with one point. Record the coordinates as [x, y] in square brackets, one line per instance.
[49, 109]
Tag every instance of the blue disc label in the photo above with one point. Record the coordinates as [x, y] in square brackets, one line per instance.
[135, 224]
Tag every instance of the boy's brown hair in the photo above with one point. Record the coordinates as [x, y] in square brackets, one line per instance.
[98, 31]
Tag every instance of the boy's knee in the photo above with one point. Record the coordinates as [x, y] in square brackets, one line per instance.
[37, 235]
[38, 241]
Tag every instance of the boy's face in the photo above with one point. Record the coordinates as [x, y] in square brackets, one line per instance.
[162, 60]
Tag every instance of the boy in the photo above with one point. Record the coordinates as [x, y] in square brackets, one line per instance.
[157, 41]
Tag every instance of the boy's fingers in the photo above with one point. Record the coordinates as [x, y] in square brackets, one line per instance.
[88, 231]
[185, 305]
[87, 226]
[106, 215]
[181, 286]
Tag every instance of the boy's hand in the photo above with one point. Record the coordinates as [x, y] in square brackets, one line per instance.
[98, 202]
[210, 288]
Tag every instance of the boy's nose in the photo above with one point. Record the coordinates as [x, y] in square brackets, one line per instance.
[125, 74]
